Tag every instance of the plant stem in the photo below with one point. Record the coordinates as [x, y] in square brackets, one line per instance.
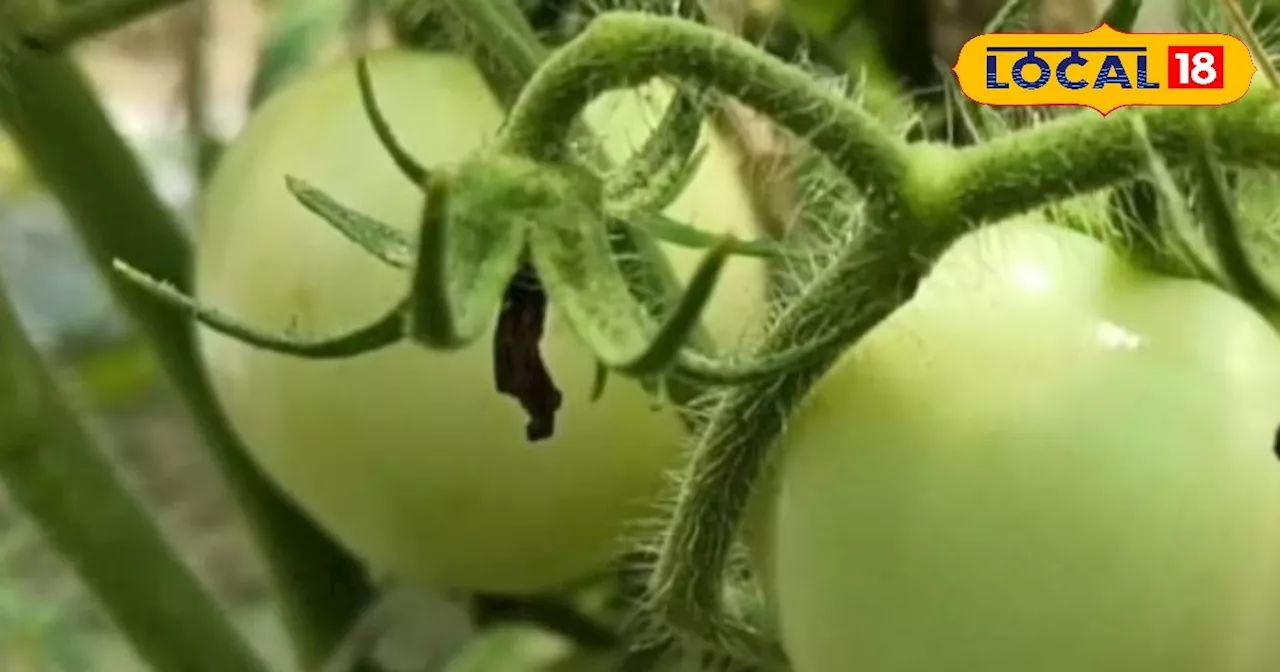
[1082, 153]
[624, 49]
[50, 111]
[50, 465]
[872, 278]
[87, 19]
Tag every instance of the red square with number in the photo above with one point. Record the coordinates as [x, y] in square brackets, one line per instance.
[1198, 67]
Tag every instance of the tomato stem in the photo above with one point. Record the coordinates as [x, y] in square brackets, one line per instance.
[623, 49]
[1081, 153]
[99, 183]
[51, 466]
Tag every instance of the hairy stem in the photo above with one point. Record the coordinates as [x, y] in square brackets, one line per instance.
[875, 275]
[108, 200]
[50, 465]
[624, 49]
[86, 19]
[1080, 153]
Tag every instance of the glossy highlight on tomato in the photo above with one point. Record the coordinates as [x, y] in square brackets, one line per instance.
[1048, 460]
[410, 457]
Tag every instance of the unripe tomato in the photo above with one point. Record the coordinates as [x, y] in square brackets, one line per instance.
[1048, 460]
[410, 457]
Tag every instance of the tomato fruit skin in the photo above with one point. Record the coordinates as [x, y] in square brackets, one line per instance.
[409, 457]
[1048, 460]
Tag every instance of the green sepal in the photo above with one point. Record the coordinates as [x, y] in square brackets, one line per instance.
[1171, 246]
[571, 252]
[669, 230]
[384, 242]
[471, 245]
[410, 167]
[1224, 230]
[376, 335]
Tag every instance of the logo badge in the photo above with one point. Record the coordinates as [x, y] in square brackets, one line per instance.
[1104, 69]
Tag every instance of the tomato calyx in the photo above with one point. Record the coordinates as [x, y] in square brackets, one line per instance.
[495, 218]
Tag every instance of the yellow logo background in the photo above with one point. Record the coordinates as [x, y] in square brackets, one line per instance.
[1163, 72]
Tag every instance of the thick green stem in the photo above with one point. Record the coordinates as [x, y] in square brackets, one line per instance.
[874, 276]
[51, 467]
[50, 111]
[87, 19]
[624, 49]
[1081, 153]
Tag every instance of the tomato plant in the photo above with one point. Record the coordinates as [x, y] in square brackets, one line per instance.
[409, 456]
[1048, 459]
[1029, 449]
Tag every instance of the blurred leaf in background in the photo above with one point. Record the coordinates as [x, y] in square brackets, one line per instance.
[507, 648]
[882, 45]
[16, 181]
[59, 299]
[297, 33]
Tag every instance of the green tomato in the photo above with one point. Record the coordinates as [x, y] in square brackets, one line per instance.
[1048, 460]
[407, 456]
